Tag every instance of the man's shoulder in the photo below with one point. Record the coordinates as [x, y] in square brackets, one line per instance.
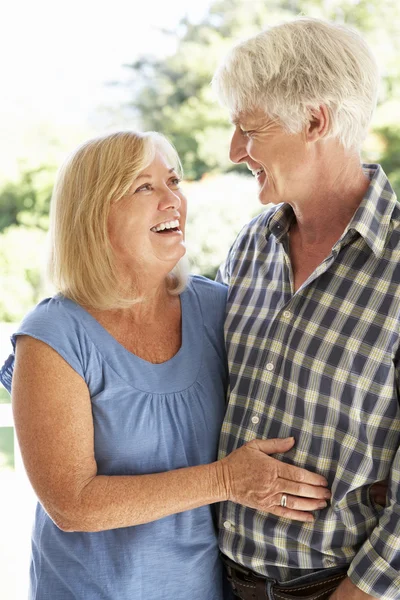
[255, 228]
[260, 221]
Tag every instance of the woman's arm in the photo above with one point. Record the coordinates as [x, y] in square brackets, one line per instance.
[54, 425]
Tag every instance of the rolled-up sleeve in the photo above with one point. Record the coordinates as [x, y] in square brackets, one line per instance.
[376, 567]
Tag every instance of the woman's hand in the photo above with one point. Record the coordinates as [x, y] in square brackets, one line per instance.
[256, 480]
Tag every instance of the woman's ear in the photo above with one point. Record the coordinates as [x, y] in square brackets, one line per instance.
[318, 124]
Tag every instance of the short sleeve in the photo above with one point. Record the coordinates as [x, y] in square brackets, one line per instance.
[52, 323]
[212, 298]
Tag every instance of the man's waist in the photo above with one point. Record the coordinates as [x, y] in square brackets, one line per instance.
[317, 585]
[281, 550]
[279, 573]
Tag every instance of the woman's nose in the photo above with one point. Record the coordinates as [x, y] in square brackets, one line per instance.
[169, 201]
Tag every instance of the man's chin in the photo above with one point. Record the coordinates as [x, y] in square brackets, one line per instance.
[267, 198]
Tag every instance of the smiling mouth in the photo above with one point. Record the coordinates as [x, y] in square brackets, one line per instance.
[167, 227]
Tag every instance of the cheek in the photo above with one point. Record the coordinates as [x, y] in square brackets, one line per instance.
[183, 209]
[121, 231]
[257, 150]
[112, 229]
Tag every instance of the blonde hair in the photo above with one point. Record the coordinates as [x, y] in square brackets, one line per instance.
[99, 172]
[291, 69]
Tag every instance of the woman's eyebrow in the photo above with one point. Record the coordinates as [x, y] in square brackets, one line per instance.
[149, 175]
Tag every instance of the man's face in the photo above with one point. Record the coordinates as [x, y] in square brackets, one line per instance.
[280, 161]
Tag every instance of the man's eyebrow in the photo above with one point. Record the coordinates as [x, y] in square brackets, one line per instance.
[149, 175]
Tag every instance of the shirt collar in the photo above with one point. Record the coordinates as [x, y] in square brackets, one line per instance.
[371, 219]
[280, 221]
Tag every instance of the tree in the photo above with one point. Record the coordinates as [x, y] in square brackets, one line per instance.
[21, 270]
[27, 201]
[390, 154]
[173, 94]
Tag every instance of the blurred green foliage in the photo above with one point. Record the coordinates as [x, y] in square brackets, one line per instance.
[173, 95]
[21, 270]
[5, 397]
[6, 449]
[27, 201]
[390, 154]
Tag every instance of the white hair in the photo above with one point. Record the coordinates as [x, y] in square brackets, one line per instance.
[290, 70]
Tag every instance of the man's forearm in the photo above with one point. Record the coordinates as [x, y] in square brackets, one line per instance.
[348, 591]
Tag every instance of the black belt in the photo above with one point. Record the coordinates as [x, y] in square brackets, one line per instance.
[248, 585]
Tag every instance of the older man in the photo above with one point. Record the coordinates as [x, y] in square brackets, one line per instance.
[313, 323]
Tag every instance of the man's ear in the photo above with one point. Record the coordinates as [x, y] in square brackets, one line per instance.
[318, 124]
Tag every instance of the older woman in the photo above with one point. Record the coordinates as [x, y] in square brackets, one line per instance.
[118, 393]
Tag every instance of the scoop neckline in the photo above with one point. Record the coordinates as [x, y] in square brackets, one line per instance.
[148, 376]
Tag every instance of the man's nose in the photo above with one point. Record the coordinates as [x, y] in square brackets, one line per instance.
[237, 151]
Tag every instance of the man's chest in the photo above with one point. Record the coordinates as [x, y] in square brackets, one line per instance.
[326, 354]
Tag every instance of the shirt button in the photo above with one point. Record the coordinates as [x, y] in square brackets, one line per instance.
[270, 367]
[255, 420]
[227, 525]
[287, 314]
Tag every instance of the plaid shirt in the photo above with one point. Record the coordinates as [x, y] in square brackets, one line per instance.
[321, 364]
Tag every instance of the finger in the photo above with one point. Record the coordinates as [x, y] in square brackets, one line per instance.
[380, 485]
[300, 504]
[293, 515]
[301, 475]
[273, 446]
[381, 500]
[378, 488]
[378, 493]
[304, 490]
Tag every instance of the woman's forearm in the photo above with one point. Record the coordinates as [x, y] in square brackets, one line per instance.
[110, 502]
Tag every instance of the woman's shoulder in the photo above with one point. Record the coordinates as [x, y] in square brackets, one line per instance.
[208, 289]
[54, 312]
[211, 297]
[53, 322]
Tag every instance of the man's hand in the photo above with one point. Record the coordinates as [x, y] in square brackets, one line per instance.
[378, 492]
[348, 591]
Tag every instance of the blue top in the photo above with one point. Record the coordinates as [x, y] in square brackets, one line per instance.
[147, 418]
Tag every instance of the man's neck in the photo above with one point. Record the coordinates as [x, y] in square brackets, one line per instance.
[324, 214]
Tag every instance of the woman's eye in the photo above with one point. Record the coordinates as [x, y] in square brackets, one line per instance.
[144, 188]
[175, 181]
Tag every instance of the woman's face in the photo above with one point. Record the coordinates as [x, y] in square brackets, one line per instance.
[147, 226]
